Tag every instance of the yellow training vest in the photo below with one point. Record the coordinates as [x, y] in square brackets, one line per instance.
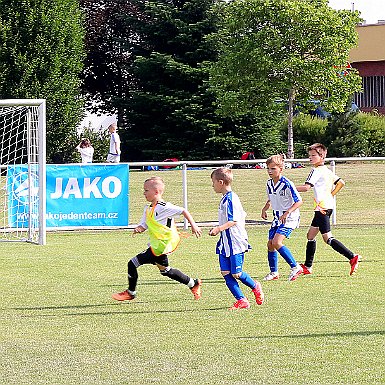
[163, 239]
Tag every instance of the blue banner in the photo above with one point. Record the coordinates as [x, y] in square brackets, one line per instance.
[77, 195]
[87, 195]
[22, 191]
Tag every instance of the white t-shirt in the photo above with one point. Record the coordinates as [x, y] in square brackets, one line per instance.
[164, 213]
[233, 240]
[323, 181]
[86, 153]
[113, 156]
[282, 196]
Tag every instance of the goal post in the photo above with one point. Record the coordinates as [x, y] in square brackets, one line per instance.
[23, 170]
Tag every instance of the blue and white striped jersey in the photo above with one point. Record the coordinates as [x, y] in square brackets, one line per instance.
[234, 239]
[282, 196]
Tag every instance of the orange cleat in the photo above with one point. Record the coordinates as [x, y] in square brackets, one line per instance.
[123, 296]
[196, 289]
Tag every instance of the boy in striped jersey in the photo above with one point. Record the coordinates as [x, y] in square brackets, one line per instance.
[233, 242]
[283, 198]
[325, 184]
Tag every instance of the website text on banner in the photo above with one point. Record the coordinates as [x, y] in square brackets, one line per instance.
[87, 195]
[77, 195]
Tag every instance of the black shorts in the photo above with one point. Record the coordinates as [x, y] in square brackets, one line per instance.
[322, 221]
[147, 257]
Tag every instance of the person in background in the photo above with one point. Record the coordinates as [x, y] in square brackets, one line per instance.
[114, 151]
[86, 150]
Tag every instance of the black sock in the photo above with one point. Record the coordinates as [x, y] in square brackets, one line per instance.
[176, 275]
[132, 276]
[340, 248]
[310, 252]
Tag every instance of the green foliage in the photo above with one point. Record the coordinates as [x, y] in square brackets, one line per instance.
[41, 54]
[308, 129]
[270, 49]
[355, 134]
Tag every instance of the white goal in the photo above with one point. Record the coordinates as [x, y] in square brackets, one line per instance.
[23, 170]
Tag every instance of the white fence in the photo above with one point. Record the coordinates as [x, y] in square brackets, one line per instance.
[186, 165]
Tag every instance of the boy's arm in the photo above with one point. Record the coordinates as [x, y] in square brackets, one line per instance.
[139, 229]
[217, 229]
[194, 227]
[264, 209]
[295, 206]
[340, 183]
[304, 187]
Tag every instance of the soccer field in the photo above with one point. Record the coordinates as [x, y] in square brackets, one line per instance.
[60, 325]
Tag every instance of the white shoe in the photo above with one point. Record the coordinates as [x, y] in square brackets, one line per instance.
[273, 275]
[295, 272]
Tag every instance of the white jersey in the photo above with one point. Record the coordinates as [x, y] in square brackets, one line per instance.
[86, 153]
[323, 181]
[234, 239]
[114, 156]
[282, 196]
[164, 213]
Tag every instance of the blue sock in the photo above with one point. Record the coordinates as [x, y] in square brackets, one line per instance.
[233, 286]
[272, 257]
[247, 280]
[287, 256]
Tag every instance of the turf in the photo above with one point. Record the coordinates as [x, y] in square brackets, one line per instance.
[60, 326]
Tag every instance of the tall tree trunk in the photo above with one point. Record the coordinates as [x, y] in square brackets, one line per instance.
[290, 137]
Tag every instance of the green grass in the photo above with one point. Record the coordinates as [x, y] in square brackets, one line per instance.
[59, 325]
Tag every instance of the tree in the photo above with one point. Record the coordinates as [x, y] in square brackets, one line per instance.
[171, 113]
[288, 50]
[41, 56]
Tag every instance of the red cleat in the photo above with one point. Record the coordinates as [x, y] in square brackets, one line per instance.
[354, 263]
[242, 303]
[306, 270]
[258, 293]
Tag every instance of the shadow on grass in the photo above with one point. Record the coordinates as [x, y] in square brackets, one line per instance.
[164, 281]
[319, 335]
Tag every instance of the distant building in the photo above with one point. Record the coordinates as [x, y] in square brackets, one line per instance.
[369, 59]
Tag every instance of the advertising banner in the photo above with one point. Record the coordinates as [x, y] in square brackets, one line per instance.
[87, 195]
[77, 195]
[22, 192]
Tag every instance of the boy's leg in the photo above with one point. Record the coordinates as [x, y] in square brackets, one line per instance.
[193, 284]
[132, 274]
[233, 286]
[236, 270]
[311, 244]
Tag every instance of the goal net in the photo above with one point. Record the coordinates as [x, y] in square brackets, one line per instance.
[22, 165]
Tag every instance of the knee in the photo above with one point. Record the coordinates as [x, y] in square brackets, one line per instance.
[165, 270]
[276, 244]
[237, 275]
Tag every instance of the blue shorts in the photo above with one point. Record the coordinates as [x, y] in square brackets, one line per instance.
[234, 263]
[281, 229]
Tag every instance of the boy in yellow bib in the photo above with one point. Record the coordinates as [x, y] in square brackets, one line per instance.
[158, 219]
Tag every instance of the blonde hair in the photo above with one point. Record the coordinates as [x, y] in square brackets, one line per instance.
[156, 183]
[279, 160]
[319, 148]
[223, 173]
